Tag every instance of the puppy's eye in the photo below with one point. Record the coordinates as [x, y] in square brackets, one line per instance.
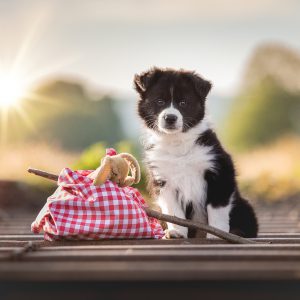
[182, 103]
[160, 102]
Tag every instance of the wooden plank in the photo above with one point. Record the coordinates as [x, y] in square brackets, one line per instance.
[149, 270]
[13, 243]
[279, 234]
[8, 249]
[21, 237]
[41, 243]
[162, 255]
[6, 240]
[175, 247]
[279, 240]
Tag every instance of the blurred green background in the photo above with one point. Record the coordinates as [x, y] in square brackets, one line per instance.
[66, 85]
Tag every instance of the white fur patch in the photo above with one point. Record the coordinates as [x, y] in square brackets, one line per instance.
[219, 216]
[182, 163]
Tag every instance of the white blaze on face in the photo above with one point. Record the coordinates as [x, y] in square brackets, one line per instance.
[178, 125]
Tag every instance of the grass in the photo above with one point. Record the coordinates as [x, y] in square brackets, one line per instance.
[15, 160]
[271, 172]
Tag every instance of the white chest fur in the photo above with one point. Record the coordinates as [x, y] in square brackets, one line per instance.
[182, 164]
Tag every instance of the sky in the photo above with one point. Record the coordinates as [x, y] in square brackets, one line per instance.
[104, 43]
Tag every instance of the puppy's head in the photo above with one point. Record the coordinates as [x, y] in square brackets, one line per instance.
[171, 101]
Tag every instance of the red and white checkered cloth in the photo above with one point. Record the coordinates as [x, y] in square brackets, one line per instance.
[80, 210]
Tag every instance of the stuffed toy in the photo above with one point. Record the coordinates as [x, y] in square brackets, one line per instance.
[115, 167]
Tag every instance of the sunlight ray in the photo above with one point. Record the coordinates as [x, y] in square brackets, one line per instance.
[33, 96]
[25, 46]
[3, 125]
[24, 116]
[40, 16]
[58, 66]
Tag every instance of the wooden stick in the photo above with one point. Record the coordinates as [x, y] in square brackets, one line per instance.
[43, 174]
[232, 238]
[197, 225]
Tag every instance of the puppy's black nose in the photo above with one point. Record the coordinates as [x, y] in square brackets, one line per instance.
[170, 119]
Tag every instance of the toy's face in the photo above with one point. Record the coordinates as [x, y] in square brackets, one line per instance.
[119, 170]
[115, 175]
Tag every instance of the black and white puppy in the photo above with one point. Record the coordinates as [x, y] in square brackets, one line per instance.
[191, 175]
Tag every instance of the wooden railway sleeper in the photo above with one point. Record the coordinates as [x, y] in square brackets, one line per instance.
[19, 253]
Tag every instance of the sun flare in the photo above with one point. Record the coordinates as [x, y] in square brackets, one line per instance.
[12, 89]
[21, 70]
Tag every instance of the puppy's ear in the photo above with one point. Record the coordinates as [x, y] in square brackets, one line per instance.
[144, 80]
[202, 86]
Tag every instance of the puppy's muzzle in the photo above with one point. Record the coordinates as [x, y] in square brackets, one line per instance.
[170, 120]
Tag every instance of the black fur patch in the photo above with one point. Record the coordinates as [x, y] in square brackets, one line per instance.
[221, 184]
[189, 213]
[243, 220]
[220, 181]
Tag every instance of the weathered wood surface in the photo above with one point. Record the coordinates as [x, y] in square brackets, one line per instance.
[27, 257]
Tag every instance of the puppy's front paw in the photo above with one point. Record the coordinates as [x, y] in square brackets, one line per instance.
[173, 234]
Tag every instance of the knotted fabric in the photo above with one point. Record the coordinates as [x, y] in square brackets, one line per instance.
[80, 210]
